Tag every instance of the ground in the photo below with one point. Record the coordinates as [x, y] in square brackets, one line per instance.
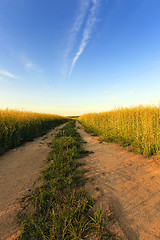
[126, 184]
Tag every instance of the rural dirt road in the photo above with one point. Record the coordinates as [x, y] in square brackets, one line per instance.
[127, 185]
[19, 170]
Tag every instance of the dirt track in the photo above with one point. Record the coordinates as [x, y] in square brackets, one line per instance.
[19, 169]
[127, 185]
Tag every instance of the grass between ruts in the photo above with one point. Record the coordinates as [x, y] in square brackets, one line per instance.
[61, 208]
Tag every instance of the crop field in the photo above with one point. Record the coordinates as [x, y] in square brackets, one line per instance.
[17, 127]
[138, 127]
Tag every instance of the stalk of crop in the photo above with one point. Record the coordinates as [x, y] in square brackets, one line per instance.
[135, 126]
[17, 127]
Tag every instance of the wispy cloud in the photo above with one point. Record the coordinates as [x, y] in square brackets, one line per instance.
[74, 31]
[7, 74]
[30, 66]
[92, 19]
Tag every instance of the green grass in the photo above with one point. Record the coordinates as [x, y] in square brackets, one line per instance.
[60, 208]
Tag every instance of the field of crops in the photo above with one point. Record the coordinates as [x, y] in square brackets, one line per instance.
[17, 127]
[136, 126]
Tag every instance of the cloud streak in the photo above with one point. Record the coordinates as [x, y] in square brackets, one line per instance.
[32, 67]
[92, 19]
[74, 31]
[7, 74]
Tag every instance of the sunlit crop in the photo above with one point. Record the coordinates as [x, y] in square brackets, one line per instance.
[17, 127]
[136, 126]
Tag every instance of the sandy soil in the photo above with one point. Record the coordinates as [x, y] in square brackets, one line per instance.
[19, 170]
[128, 187]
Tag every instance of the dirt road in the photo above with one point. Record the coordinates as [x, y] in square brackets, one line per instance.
[19, 169]
[128, 186]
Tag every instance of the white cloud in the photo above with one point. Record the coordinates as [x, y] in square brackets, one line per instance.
[32, 67]
[29, 65]
[87, 31]
[74, 31]
[7, 74]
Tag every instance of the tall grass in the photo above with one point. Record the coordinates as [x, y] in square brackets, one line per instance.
[17, 127]
[135, 126]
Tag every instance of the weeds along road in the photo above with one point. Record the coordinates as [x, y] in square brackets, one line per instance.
[19, 169]
[127, 185]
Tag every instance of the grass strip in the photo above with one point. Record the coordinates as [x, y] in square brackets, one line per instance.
[61, 208]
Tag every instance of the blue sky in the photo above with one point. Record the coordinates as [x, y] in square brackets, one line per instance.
[71, 57]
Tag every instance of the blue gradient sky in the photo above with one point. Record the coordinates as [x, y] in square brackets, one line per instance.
[77, 56]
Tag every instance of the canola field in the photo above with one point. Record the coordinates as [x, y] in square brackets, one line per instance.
[17, 127]
[137, 127]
